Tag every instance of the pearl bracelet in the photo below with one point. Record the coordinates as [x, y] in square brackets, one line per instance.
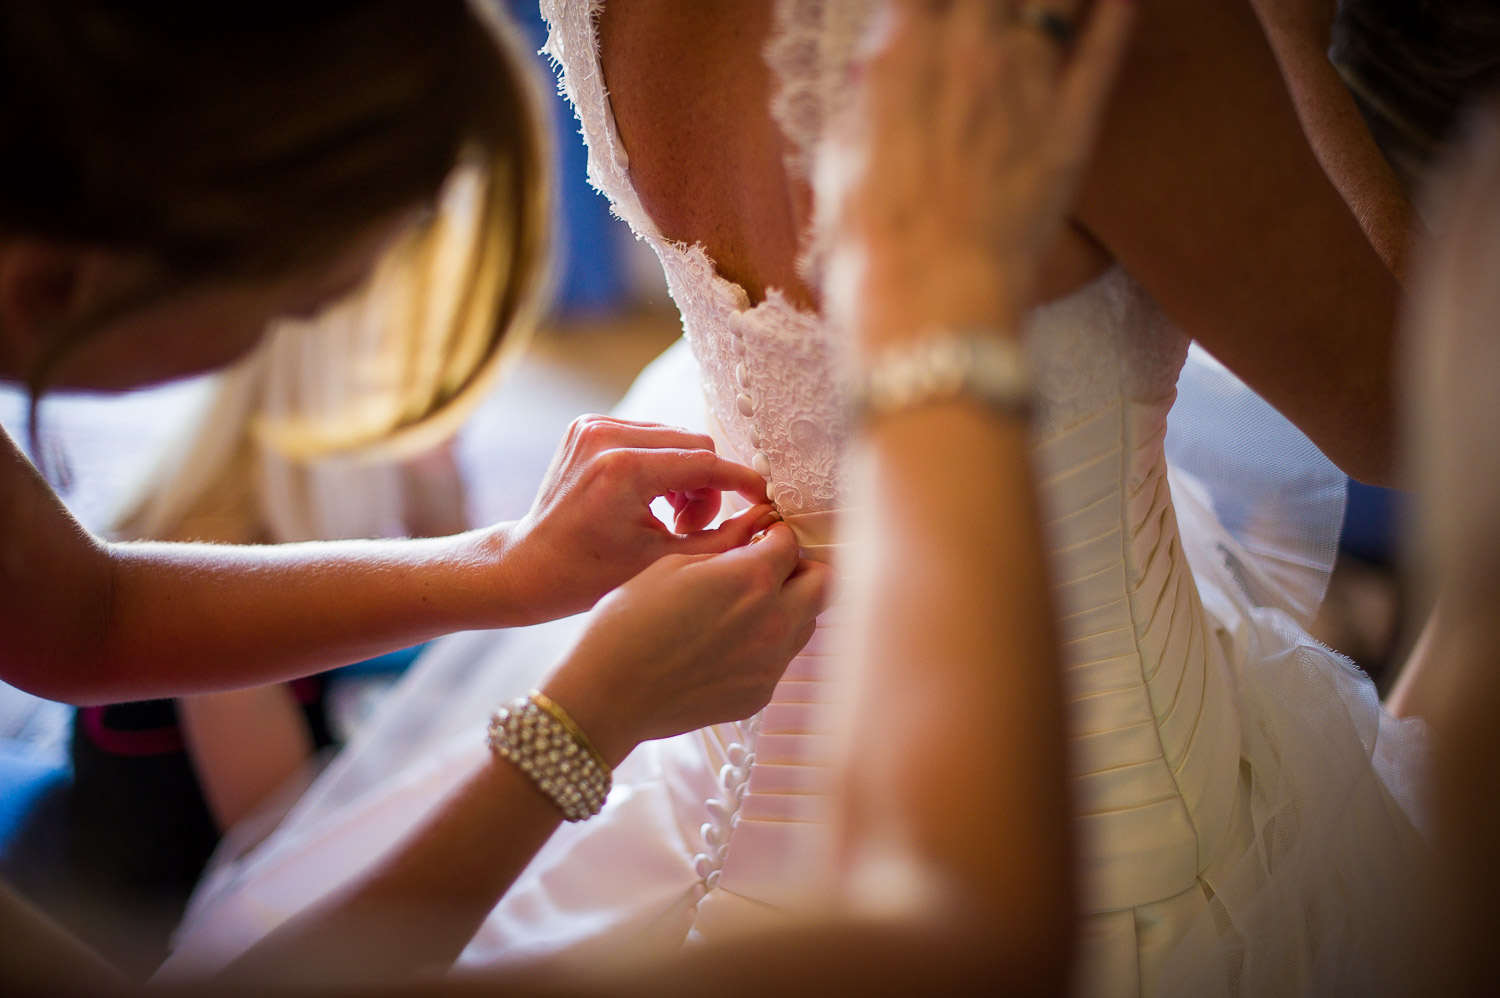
[980, 364]
[538, 737]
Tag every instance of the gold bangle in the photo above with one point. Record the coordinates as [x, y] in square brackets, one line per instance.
[537, 737]
[553, 708]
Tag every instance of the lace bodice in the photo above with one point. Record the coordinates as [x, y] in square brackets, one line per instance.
[771, 372]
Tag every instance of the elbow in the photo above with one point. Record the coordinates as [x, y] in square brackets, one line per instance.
[62, 679]
[68, 654]
[1371, 450]
[43, 678]
[1384, 474]
[1358, 436]
[1372, 461]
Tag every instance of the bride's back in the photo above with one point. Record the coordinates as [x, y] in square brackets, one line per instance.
[692, 96]
[691, 92]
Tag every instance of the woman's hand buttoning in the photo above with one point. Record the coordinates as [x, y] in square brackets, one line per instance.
[592, 526]
[693, 640]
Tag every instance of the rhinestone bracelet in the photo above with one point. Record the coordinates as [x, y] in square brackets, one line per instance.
[978, 364]
[539, 738]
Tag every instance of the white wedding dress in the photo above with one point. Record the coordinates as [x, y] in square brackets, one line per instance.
[1241, 805]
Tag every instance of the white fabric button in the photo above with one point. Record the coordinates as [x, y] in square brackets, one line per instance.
[754, 437]
[761, 464]
[741, 375]
[746, 404]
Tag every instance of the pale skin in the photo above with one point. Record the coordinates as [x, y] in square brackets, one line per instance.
[901, 797]
[419, 905]
[906, 786]
[908, 737]
[1209, 195]
[92, 622]
[966, 107]
[630, 678]
[820, 953]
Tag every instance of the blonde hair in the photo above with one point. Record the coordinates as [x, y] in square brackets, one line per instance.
[244, 140]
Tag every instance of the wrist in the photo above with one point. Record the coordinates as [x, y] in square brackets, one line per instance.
[902, 305]
[587, 699]
[947, 365]
[498, 553]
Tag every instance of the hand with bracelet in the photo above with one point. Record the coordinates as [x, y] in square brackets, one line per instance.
[691, 641]
[979, 119]
[700, 634]
[190, 617]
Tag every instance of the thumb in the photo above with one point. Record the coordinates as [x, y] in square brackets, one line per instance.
[777, 547]
[732, 533]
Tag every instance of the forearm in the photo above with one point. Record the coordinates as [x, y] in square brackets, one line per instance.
[962, 719]
[183, 618]
[417, 907]
[1345, 148]
[421, 904]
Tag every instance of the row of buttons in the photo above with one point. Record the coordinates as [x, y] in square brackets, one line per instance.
[746, 402]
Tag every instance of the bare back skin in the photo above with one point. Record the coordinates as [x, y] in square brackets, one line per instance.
[691, 94]
[1203, 187]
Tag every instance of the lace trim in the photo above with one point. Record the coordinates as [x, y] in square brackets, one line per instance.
[573, 46]
[810, 50]
[767, 368]
[773, 381]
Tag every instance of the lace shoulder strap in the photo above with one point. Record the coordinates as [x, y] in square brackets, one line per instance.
[810, 49]
[573, 47]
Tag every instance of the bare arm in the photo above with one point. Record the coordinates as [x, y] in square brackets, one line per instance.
[689, 642]
[90, 622]
[1299, 32]
[949, 229]
[420, 904]
[1205, 189]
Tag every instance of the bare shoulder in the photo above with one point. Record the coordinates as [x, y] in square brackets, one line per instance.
[1205, 188]
[691, 91]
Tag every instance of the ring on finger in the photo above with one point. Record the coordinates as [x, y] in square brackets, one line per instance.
[1056, 27]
